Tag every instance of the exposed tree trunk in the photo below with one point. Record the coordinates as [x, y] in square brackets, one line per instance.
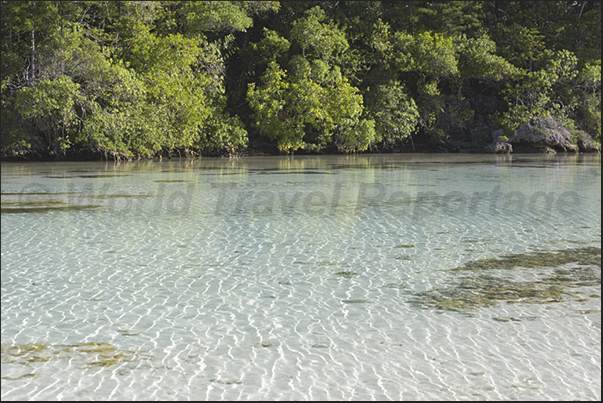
[32, 64]
[582, 9]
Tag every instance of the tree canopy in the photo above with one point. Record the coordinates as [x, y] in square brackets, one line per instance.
[131, 79]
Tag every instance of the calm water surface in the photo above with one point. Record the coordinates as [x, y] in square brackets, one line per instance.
[363, 277]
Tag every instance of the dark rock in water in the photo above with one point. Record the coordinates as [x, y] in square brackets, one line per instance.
[499, 145]
[586, 144]
[542, 135]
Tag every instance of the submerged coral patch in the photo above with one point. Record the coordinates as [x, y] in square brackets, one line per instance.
[14, 203]
[562, 275]
[93, 354]
[265, 344]
[24, 353]
[346, 274]
[113, 196]
[46, 208]
[355, 301]
[16, 378]
[585, 256]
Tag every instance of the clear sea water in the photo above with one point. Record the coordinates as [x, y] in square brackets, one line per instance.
[297, 278]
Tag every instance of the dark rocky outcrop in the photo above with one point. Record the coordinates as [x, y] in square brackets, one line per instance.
[542, 135]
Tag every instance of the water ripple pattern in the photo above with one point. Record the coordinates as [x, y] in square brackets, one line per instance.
[385, 277]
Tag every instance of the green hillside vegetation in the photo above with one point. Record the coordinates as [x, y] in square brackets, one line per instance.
[135, 79]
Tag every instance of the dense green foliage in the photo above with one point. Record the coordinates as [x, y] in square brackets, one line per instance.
[125, 79]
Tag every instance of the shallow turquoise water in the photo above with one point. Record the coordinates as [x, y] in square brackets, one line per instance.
[297, 278]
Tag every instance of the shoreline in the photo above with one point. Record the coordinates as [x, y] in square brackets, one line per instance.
[187, 154]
